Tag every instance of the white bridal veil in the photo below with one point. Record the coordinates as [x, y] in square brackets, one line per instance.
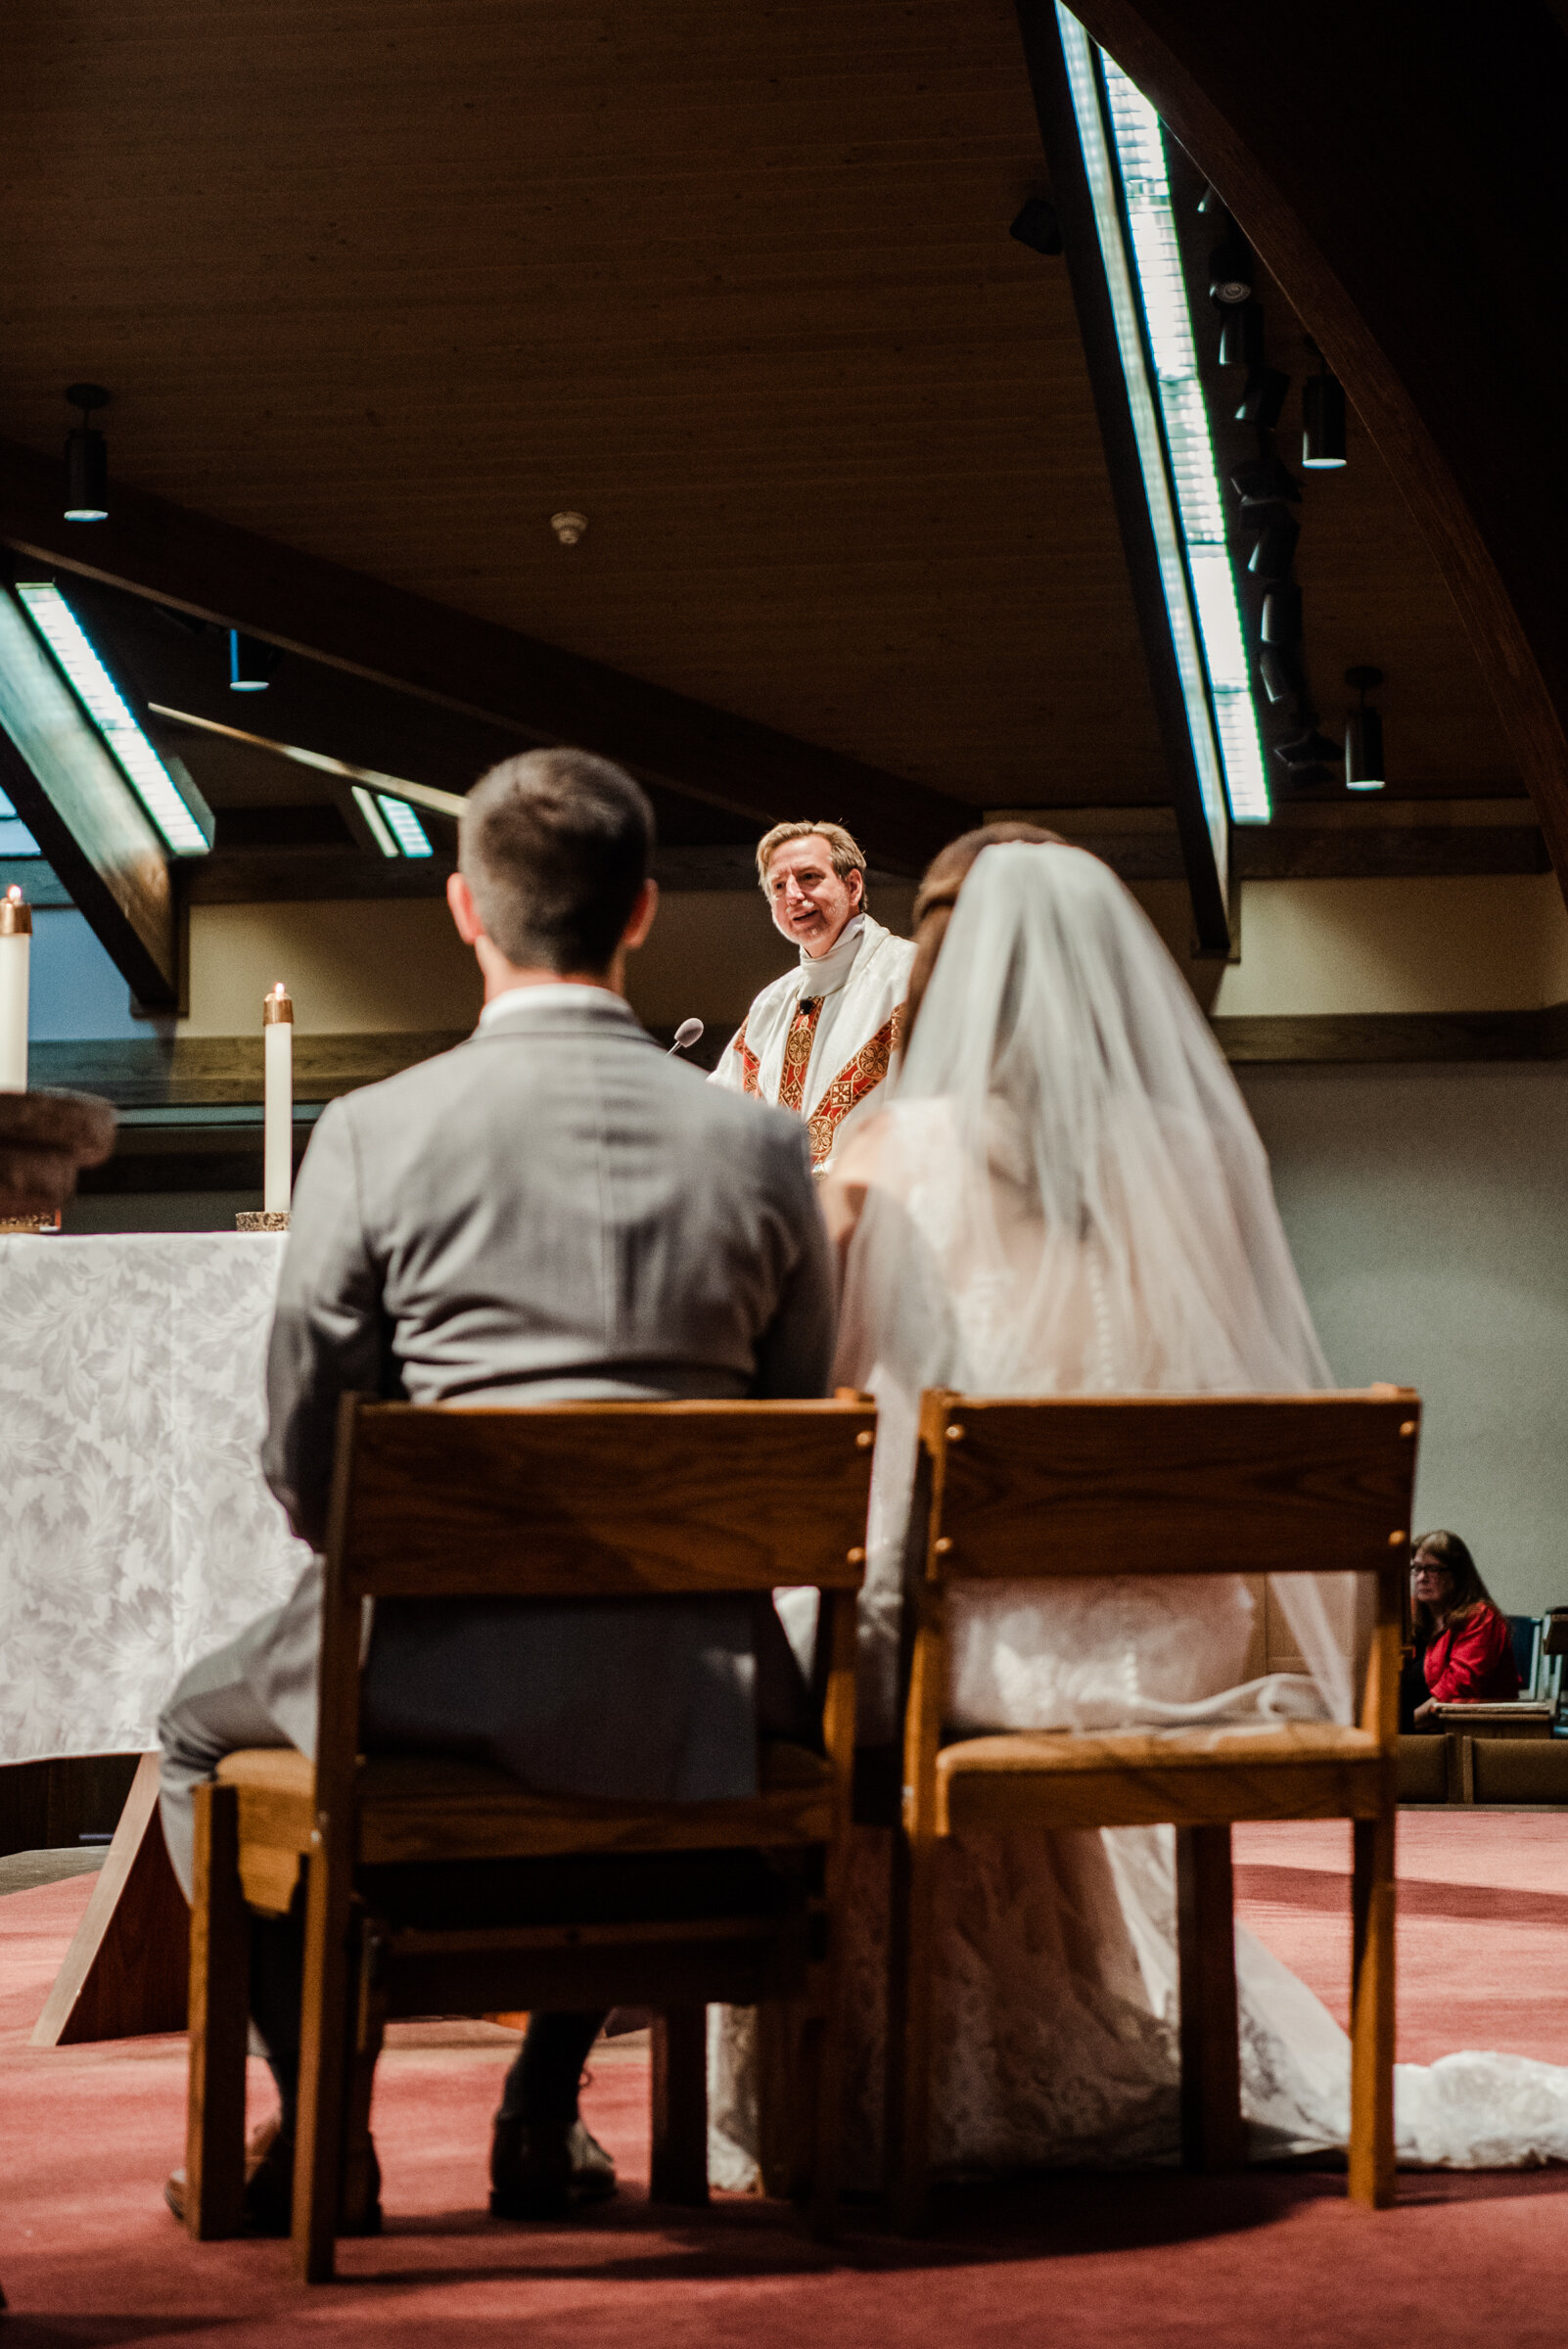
[1066, 1195]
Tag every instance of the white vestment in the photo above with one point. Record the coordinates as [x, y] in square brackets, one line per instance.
[825, 1064]
[1066, 1195]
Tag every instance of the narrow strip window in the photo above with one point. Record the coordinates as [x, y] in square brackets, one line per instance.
[1130, 187]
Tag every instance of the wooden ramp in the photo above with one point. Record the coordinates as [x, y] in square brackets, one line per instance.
[125, 1973]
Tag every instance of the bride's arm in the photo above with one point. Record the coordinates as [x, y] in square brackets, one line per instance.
[852, 1174]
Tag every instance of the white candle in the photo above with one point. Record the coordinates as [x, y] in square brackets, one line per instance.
[15, 948]
[277, 1136]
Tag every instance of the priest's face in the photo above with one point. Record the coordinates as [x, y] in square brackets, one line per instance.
[810, 903]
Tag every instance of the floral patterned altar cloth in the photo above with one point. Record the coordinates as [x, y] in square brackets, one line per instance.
[135, 1530]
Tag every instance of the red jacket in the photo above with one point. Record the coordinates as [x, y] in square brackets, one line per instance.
[1473, 1660]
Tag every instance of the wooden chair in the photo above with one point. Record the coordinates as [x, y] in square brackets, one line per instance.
[738, 1901]
[1158, 1485]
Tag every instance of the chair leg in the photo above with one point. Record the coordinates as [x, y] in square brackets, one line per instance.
[824, 2084]
[1372, 2136]
[1213, 2135]
[219, 2023]
[326, 2022]
[368, 1995]
[680, 2172]
[907, 2123]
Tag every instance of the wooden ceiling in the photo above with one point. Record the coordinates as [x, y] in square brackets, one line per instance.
[394, 284]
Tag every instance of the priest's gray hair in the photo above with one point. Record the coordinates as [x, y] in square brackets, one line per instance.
[842, 848]
[555, 846]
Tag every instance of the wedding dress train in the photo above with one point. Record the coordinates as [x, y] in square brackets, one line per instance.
[1065, 1196]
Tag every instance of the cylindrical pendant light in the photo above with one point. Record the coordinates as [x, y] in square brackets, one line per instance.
[86, 459]
[1322, 423]
[251, 664]
[1364, 767]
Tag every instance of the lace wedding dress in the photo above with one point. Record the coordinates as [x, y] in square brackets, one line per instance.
[1067, 1196]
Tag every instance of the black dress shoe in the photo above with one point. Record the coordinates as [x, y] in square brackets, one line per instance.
[546, 2172]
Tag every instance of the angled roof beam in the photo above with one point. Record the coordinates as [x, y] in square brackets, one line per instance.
[70, 794]
[533, 690]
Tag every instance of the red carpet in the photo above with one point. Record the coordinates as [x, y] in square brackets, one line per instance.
[89, 2256]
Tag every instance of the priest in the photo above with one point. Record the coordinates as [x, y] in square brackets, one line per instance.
[820, 1039]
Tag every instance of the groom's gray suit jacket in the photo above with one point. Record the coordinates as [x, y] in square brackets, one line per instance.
[554, 1210]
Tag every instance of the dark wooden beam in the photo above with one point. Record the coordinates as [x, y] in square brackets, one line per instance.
[1053, 105]
[535, 692]
[78, 806]
[1403, 172]
[206, 1070]
[299, 876]
[282, 875]
[1334, 852]
[1394, 1036]
[1388, 853]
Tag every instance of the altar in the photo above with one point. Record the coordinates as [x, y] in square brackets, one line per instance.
[137, 1531]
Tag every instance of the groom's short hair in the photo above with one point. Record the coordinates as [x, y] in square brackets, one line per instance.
[555, 846]
[842, 848]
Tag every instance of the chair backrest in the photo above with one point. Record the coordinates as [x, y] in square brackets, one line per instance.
[1524, 1631]
[1163, 1484]
[598, 1500]
[590, 1500]
[1249, 1484]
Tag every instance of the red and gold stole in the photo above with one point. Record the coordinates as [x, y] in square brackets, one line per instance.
[797, 1052]
[857, 1078]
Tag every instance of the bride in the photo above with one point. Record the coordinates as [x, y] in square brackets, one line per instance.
[1066, 1195]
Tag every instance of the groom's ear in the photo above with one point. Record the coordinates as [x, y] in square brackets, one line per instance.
[641, 920]
[465, 913]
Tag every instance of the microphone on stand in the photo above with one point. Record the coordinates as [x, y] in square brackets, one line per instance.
[689, 1032]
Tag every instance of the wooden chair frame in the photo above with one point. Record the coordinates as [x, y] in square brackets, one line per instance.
[573, 1501]
[1158, 1485]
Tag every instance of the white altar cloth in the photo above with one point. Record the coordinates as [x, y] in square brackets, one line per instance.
[135, 1530]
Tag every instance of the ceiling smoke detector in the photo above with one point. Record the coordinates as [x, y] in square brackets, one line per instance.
[568, 528]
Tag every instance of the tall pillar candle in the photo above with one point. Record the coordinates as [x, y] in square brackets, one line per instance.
[15, 949]
[277, 1151]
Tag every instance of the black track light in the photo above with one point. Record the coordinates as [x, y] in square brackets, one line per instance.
[1322, 423]
[1231, 271]
[1265, 482]
[1037, 226]
[1263, 399]
[1282, 615]
[1241, 334]
[1276, 550]
[1308, 758]
[86, 458]
[1279, 668]
[250, 663]
[1363, 735]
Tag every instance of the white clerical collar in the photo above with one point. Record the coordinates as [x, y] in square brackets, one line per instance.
[553, 996]
[825, 974]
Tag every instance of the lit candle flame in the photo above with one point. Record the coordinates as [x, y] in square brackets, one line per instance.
[14, 893]
[279, 989]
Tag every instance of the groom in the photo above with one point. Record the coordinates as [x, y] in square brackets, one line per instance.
[554, 1210]
[821, 1039]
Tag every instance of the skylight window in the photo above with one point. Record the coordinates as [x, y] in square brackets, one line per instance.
[369, 807]
[1125, 162]
[177, 823]
[405, 826]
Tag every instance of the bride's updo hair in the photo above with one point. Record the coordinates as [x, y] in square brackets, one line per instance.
[938, 895]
